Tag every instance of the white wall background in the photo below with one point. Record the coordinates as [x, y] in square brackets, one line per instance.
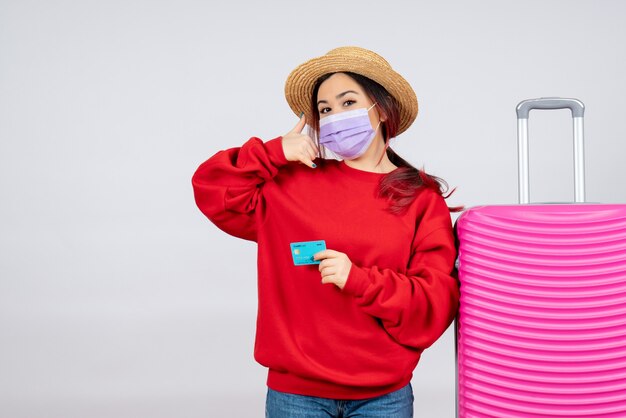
[117, 298]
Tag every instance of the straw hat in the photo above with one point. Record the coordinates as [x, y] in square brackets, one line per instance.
[299, 84]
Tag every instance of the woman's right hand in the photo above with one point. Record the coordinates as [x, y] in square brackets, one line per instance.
[298, 146]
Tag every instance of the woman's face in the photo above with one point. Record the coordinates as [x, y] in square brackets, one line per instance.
[340, 93]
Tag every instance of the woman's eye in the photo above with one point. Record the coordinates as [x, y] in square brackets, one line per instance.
[348, 103]
[324, 110]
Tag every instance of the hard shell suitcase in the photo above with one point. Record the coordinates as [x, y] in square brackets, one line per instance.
[541, 330]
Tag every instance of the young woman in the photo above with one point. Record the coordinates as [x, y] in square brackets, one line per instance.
[342, 337]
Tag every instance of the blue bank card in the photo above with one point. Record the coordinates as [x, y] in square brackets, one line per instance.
[302, 252]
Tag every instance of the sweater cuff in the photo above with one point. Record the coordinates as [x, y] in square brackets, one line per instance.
[275, 151]
[358, 281]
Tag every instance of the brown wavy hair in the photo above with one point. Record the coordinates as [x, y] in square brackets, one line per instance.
[401, 186]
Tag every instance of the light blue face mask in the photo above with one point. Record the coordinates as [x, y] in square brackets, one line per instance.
[348, 134]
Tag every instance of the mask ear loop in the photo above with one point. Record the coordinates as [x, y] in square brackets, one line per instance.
[386, 141]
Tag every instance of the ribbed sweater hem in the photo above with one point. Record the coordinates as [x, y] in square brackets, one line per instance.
[290, 383]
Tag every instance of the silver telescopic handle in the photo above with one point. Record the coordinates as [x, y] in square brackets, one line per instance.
[578, 113]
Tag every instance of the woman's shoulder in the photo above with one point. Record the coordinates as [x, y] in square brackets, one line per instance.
[430, 199]
[431, 207]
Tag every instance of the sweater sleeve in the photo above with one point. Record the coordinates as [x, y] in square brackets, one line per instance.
[417, 307]
[227, 187]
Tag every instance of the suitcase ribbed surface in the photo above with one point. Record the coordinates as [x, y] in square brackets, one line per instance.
[542, 321]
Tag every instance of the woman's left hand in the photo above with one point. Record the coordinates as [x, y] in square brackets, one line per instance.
[335, 267]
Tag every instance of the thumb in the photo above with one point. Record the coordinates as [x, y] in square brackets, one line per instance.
[321, 255]
[300, 125]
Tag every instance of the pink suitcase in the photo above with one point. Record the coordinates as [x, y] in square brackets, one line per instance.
[541, 330]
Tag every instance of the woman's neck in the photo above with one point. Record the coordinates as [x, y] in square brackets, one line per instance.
[371, 160]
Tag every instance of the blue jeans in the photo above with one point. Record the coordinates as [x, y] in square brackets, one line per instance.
[398, 404]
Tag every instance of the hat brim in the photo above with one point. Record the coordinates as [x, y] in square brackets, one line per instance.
[300, 82]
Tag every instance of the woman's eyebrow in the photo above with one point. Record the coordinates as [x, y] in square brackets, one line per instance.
[339, 96]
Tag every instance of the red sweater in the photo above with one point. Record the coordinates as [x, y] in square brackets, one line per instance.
[317, 340]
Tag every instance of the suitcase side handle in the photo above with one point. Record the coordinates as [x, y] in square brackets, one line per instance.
[578, 112]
